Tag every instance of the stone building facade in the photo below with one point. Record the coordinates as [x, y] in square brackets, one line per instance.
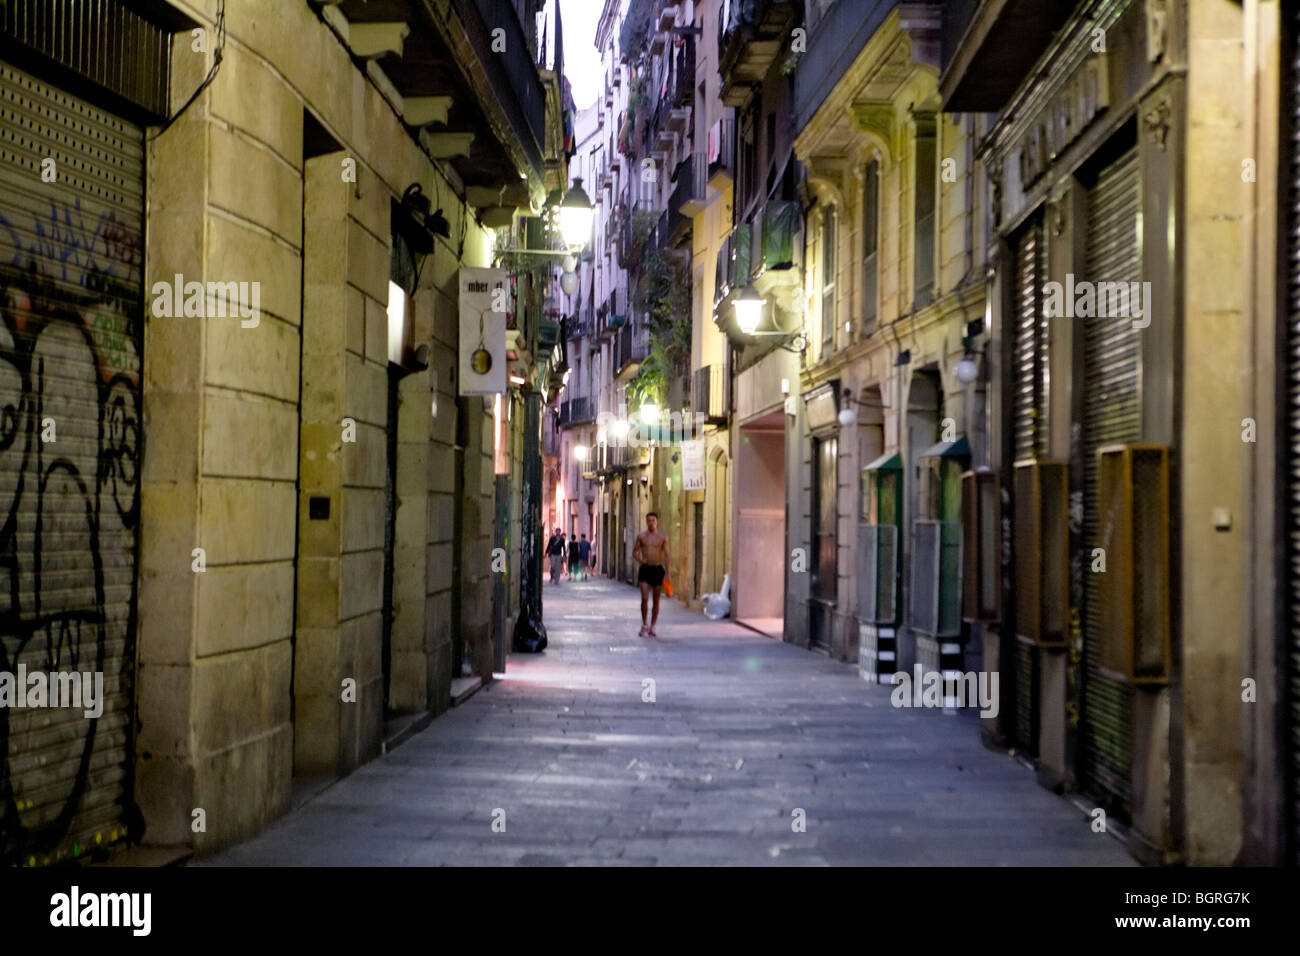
[298, 559]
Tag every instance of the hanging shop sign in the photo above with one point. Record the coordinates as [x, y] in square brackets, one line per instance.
[484, 301]
[693, 465]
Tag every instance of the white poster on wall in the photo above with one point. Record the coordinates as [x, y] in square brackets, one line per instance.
[693, 465]
[484, 302]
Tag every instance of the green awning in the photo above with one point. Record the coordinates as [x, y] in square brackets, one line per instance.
[888, 462]
[960, 448]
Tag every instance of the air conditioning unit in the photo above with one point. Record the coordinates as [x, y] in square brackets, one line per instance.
[1042, 559]
[1134, 590]
[981, 517]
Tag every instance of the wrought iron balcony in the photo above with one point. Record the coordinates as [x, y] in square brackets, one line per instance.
[774, 236]
[512, 72]
[711, 393]
[577, 411]
[615, 457]
[750, 43]
[631, 346]
[683, 88]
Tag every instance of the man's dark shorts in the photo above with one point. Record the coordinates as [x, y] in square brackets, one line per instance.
[651, 574]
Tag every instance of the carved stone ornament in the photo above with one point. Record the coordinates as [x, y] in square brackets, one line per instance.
[1157, 29]
[995, 180]
[1156, 119]
[1056, 216]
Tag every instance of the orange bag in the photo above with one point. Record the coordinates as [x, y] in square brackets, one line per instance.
[668, 586]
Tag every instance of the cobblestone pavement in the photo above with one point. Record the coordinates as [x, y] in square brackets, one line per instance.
[743, 732]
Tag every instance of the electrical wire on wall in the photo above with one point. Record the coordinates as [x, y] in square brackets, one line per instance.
[212, 73]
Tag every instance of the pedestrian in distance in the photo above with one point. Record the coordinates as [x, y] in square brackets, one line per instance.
[651, 552]
[584, 556]
[573, 557]
[555, 552]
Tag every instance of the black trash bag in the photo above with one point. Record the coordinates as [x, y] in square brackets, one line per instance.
[529, 636]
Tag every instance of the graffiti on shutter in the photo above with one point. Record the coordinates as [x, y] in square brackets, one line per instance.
[70, 313]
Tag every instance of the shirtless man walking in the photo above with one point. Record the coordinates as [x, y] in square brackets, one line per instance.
[651, 551]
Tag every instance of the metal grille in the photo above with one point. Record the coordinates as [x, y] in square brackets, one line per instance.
[925, 577]
[936, 572]
[99, 39]
[877, 572]
[1111, 414]
[1029, 357]
[71, 303]
[1025, 733]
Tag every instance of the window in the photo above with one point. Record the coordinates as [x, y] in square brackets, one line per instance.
[925, 189]
[828, 279]
[870, 239]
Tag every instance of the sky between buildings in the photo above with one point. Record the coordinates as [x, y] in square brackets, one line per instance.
[581, 61]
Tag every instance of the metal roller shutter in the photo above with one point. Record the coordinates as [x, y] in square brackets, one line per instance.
[1028, 402]
[1030, 351]
[70, 325]
[1111, 413]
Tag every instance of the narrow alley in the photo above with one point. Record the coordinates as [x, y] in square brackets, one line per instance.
[743, 731]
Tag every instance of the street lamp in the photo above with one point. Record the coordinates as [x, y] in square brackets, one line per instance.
[650, 413]
[967, 369]
[620, 428]
[581, 452]
[569, 282]
[576, 215]
[749, 308]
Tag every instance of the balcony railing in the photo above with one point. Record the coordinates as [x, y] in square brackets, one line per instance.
[722, 276]
[577, 411]
[513, 74]
[774, 236]
[710, 392]
[612, 457]
[750, 42]
[579, 325]
[741, 264]
[683, 88]
[631, 347]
